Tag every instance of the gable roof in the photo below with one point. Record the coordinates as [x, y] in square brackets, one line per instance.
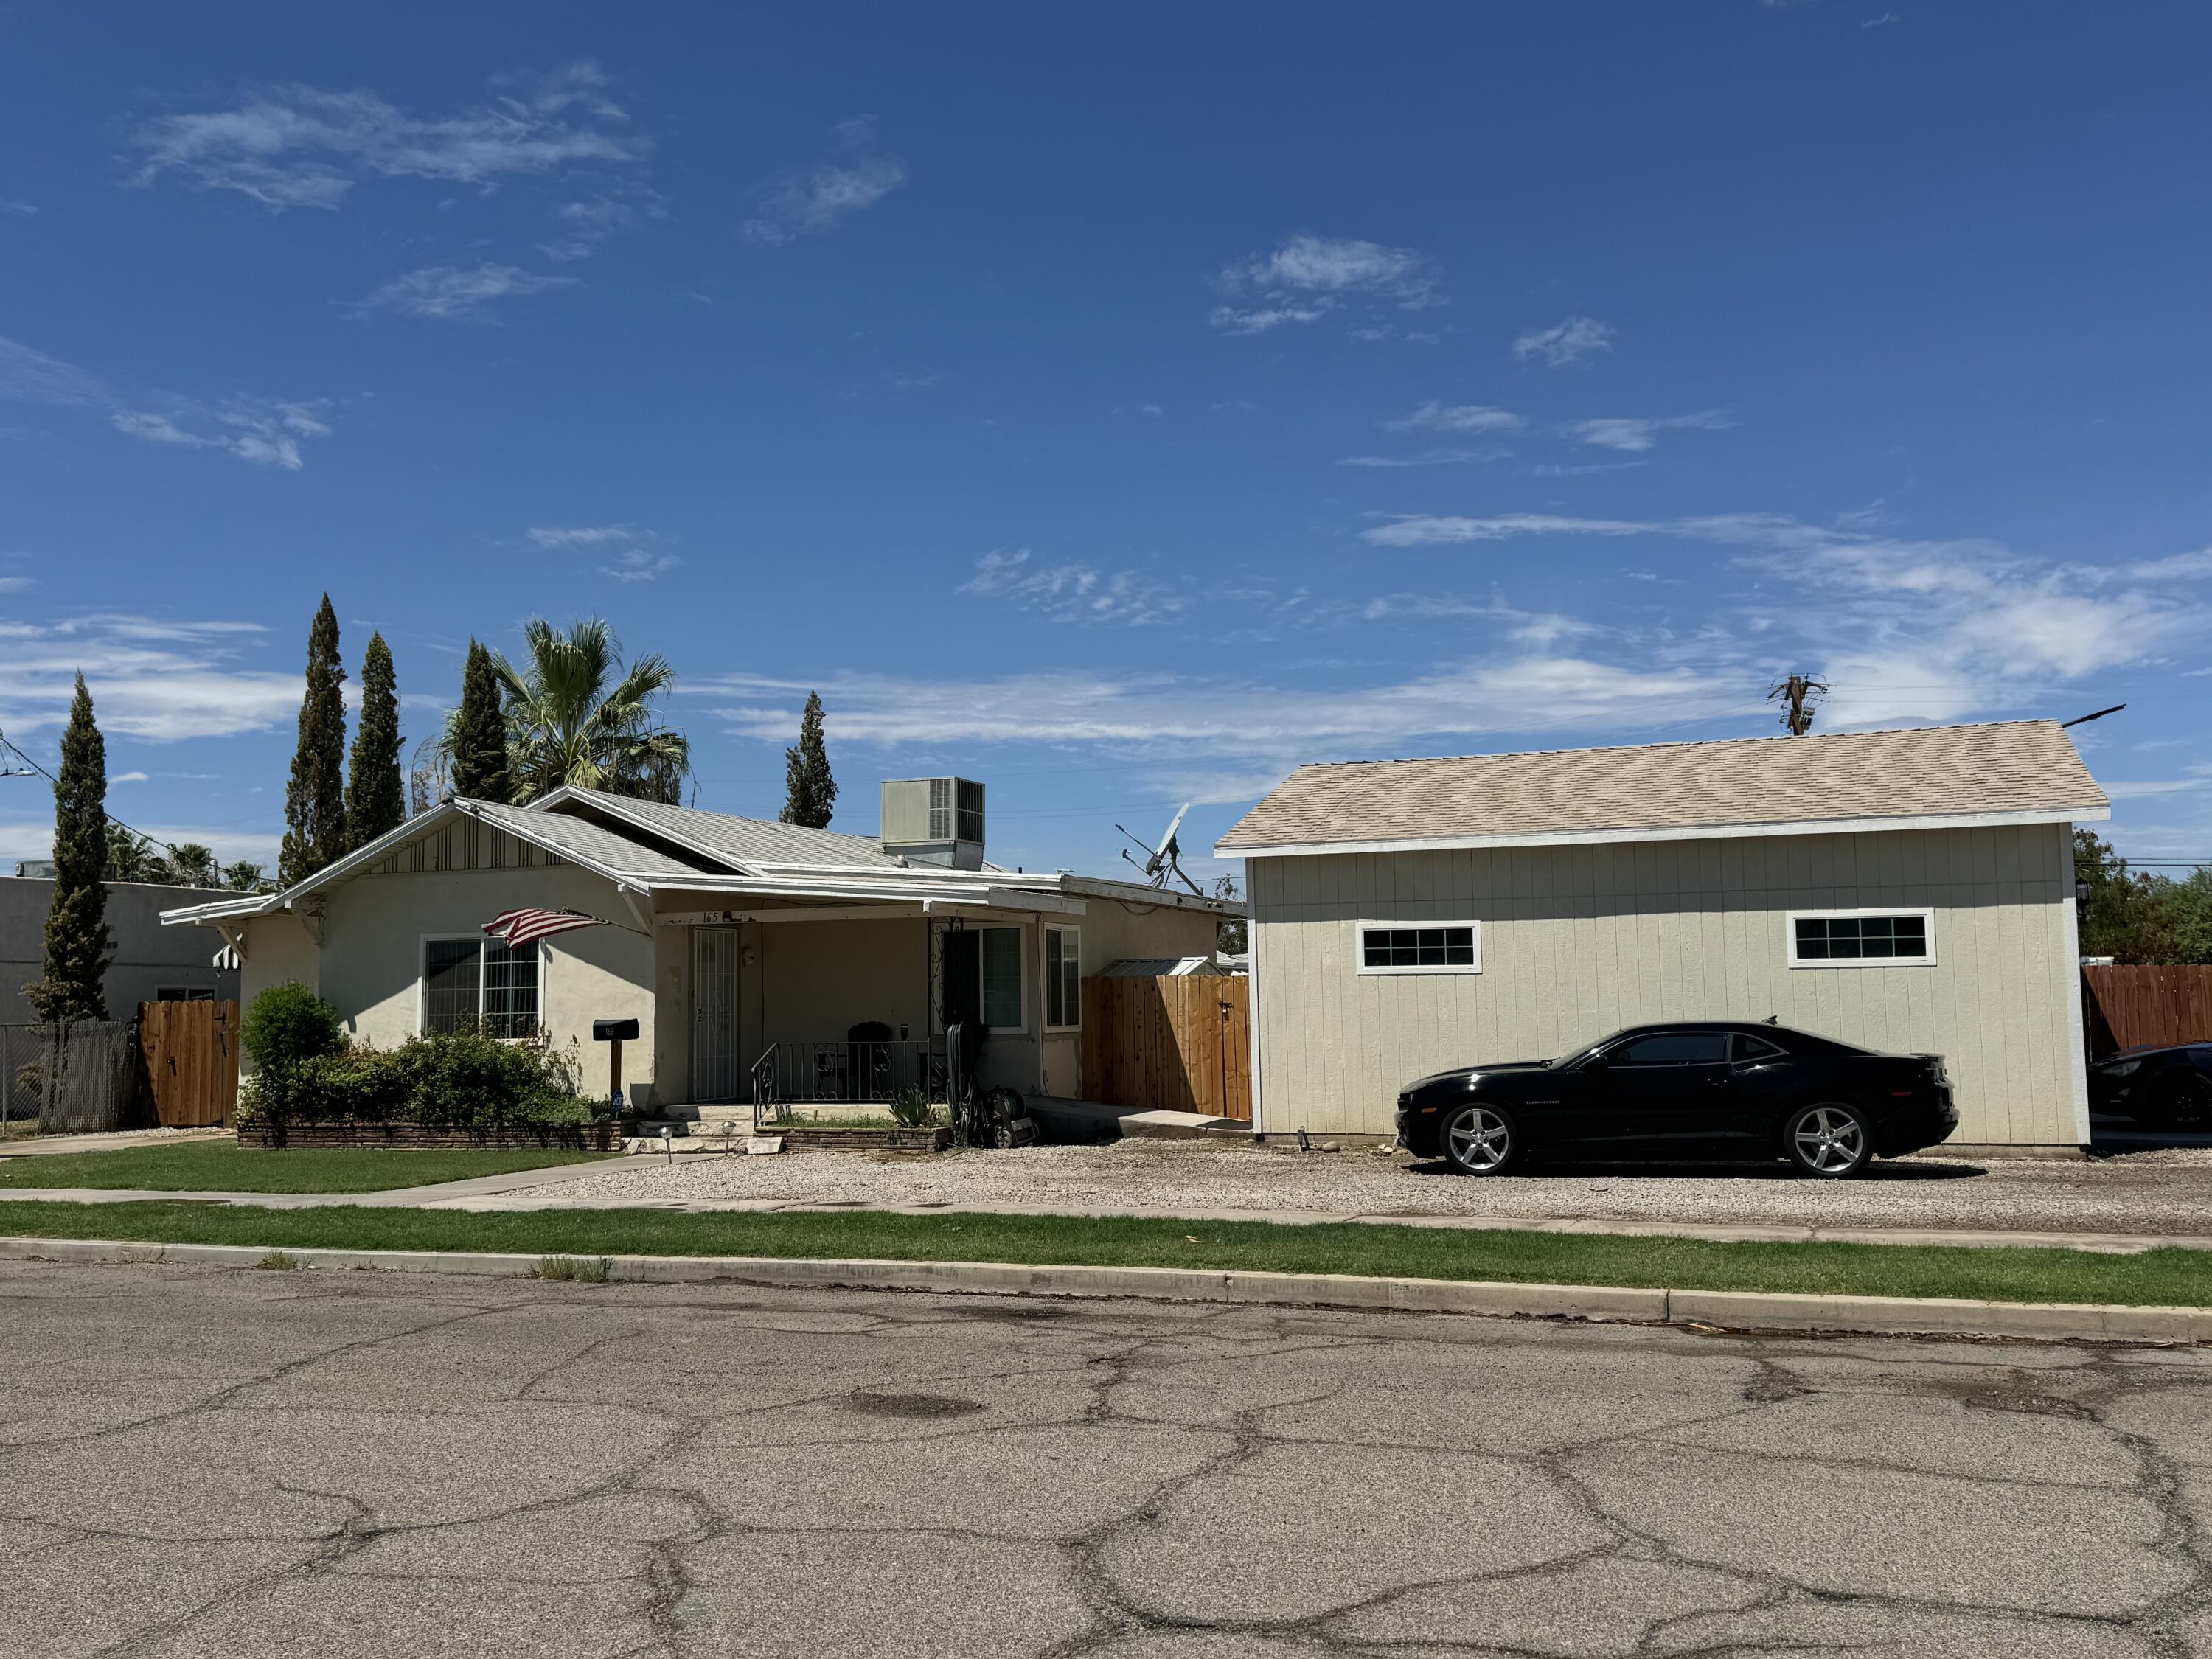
[737, 840]
[2014, 771]
[580, 840]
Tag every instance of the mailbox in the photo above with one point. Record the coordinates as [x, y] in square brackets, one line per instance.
[614, 1031]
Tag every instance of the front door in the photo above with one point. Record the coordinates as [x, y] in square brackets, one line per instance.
[713, 1013]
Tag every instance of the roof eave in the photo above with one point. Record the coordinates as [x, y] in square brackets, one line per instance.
[1673, 832]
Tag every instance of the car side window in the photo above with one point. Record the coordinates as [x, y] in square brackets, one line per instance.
[1752, 1047]
[1674, 1049]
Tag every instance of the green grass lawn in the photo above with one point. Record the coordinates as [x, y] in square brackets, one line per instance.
[2158, 1277]
[224, 1166]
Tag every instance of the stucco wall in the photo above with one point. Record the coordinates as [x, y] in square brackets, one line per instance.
[148, 956]
[1580, 941]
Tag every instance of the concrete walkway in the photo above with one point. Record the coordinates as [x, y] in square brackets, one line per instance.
[506, 1193]
[115, 1141]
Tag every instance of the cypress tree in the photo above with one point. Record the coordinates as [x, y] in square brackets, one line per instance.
[376, 800]
[78, 942]
[810, 793]
[314, 798]
[477, 739]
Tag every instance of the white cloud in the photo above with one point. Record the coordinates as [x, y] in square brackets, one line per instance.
[588, 535]
[1640, 433]
[267, 432]
[1308, 277]
[2179, 567]
[1075, 592]
[153, 677]
[1571, 341]
[1426, 529]
[18, 210]
[449, 293]
[17, 584]
[1429, 458]
[1435, 416]
[812, 202]
[302, 146]
[588, 222]
[635, 564]
[128, 777]
[34, 838]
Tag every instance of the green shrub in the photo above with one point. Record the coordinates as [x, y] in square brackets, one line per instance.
[287, 1024]
[910, 1109]
[460, 1080]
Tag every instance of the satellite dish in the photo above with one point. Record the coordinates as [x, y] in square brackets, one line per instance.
[1165, 860]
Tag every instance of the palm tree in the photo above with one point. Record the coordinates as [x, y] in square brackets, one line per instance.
[576, 714]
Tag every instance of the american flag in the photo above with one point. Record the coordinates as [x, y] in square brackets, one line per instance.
[521, 927]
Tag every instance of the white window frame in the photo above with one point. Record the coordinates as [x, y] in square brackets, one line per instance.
[422, 943]
[1359, 947]
[1021, 966]
[1791, 918]
[1070, 935]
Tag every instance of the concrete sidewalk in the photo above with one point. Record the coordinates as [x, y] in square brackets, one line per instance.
[114, 1140]
[486, 1194]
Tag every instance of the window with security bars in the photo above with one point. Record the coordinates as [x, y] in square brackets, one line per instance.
[1858, 939]
[1419, 948]
[468, 981]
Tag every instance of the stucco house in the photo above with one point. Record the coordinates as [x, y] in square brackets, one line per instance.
[752, 954]
[150, 963]
[1906, 891]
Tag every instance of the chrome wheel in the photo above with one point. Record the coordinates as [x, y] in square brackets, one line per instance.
[1478, 1140]
[1829, 1141]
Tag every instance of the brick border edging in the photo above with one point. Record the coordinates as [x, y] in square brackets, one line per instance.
[599, 1138]
[1882, 1316]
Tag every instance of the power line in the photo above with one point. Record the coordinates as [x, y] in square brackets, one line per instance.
[8, 745]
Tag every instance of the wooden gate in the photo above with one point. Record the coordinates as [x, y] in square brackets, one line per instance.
[1181, 1044]
[189, 1053]
[2125, 1007]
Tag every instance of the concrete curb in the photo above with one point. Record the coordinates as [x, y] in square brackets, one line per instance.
[2043, 1321]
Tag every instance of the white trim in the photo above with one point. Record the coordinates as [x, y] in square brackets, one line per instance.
[1791, 918]
[1682, 832]
[1044, 977]
[422, 979]
[1359, 946]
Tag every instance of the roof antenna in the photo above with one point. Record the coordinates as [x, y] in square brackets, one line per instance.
[1165, 860]
[2083, 720]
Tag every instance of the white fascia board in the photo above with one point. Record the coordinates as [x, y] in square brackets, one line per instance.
[1131, 892]
[330, 872]
[1689, 832]
[207, 915]
[598, 803]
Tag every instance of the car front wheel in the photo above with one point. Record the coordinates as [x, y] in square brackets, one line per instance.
[2183, 1101]
[1830, 1140]
[1480, 1141]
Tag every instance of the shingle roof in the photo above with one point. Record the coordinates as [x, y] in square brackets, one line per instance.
[583, 841]
[2017, 766]
[750, 840]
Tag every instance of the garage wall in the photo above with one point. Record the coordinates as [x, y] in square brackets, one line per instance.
[1578, 941]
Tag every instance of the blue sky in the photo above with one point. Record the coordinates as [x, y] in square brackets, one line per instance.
[1117, 407]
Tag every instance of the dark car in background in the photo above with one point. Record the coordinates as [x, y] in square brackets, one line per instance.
[2168, 1087]
[1686, 1091]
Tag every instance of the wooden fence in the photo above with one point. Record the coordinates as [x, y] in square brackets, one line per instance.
[2130, 1007]
[1181, 1044]
[188, 1055]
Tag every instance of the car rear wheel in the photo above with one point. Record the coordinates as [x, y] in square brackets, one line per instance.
[1830, 1140]
[2183, 1100]
[1480, 1141]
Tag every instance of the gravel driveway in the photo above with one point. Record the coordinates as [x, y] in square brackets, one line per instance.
[2166, 1192]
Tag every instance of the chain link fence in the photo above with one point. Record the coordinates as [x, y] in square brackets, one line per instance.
[70, 1078]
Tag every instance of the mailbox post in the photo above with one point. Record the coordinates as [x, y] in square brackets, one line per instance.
[615, 1032]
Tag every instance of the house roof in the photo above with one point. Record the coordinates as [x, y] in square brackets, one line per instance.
[744, 841]
[580, 839]
[2015, 771]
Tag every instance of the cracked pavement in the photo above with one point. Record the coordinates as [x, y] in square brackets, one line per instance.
[196, 1461]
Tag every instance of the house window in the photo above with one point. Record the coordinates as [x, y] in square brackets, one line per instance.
[470, 981]
[1426, 947]
[1063, 978]
[1861, 938]
[1002, 956]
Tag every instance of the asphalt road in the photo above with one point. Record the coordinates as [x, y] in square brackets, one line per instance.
[195, 1462]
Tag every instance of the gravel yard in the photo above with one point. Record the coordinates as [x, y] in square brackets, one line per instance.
[2161, 1192]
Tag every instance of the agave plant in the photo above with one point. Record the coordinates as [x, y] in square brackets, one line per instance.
[576, 715]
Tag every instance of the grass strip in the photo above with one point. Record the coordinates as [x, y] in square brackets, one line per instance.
[224, 1166]
[2167, 1277]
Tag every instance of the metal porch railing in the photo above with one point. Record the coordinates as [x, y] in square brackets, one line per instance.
[866, 1070]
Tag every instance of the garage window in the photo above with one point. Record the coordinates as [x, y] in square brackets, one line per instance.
[1420, 947]
[1861, 938]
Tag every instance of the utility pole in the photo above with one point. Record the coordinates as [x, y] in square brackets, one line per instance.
[1800, 692]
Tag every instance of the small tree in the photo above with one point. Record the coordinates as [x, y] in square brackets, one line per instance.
[476, 740]
[78, 946]
[375, 799]
[315, 798]
[2123, 915]
[810, 793]
[1230, 936]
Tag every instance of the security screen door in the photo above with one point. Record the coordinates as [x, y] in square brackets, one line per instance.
[713, 1013]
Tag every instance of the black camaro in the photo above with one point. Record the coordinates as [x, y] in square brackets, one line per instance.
[1686, 1091]
[2160, 1088]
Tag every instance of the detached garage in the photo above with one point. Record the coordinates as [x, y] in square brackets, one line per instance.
[1909, 891]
